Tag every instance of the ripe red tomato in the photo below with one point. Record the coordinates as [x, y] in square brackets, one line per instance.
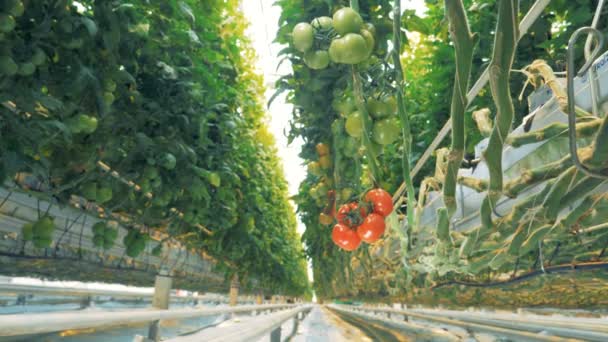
[380, 200]
[372, 228]
[345, 238]
[349, 215]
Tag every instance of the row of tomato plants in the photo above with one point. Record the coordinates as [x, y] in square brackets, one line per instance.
[365, 152]
[166, 95]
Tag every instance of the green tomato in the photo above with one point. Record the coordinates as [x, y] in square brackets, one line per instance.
[8, 66]
[109, 85]
[150, 173]
[336, 50]
[391, 105]
[346, 20]
[39, 57]
[7, 23]
[369, 40]
[344, 105]
[17, 9]
[314, 168]
[322, 23]
[354, 124]
[88, 124]
[303, 36]
[314, 192]
[322, 190]
[353, 49]
[317, 60]
[214, 178]
[346, 194]
[376, 108]
[386, 131]
[108, 98]
[370, 27]
[26, 69]
[168, 161]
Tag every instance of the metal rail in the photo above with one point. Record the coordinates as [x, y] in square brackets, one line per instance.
[528, 329]
[29, 324]
[19, 289]
[535, 11]
[588, 326]
[249, 330]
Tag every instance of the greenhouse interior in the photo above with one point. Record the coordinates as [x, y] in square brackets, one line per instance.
[303, 170]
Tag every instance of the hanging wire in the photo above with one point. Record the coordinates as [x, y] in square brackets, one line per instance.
[570, 88]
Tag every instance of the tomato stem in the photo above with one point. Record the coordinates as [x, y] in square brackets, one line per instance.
[405, 123]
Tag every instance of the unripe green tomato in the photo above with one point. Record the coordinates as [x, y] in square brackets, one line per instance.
[346, 194]
[8, 66]
[26, 69]
[369, 40]
[346, 20]
[322, 23]
[322, 190]
[336, 50]
[314, 168]
[391, 105]
[355, 49]
[108, 98]
[344, 105]
[7, 23]
[303, 36]
[354, 124]
[17, 9]
[317, 60]
[370, 27]
[386, 131]
[376, 108]
[39, 57]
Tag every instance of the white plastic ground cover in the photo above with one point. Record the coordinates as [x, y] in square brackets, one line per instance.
[20, 208]
[515, 160]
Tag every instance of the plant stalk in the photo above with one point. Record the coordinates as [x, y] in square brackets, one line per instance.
[464, 43]
[505, 42]
[403, 118]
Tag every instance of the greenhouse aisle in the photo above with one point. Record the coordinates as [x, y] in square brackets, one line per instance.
[318, 327]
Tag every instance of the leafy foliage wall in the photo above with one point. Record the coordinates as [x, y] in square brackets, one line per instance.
[165, 93]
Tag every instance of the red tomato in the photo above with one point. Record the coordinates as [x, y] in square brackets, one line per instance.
[381, 201]
[372, 228]
[345, 238]
[349, 215]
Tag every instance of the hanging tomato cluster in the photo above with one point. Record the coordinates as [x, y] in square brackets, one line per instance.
[362, 222]
[344, 39]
